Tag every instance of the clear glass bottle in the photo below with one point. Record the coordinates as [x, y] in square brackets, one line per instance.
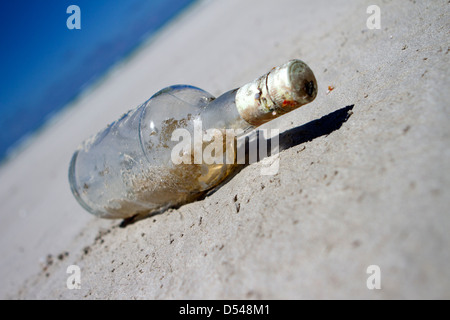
[128, 168]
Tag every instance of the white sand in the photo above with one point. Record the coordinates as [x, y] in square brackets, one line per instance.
[375, 191]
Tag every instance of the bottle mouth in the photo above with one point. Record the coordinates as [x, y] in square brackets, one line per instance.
[310, 89]
[279, 91]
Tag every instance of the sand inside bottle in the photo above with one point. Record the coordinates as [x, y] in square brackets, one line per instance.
[161, 187]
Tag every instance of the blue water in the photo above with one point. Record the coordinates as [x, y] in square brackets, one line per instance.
[44, 65]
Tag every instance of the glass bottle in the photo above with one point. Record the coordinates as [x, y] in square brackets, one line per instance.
[146, 160]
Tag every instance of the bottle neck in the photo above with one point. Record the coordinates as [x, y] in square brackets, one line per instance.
[281, 90]
[221, 113]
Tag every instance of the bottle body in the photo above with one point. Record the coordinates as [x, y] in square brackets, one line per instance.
[128, 168]
[179, 144]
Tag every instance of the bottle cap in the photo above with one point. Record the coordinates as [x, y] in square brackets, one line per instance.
[279, 91]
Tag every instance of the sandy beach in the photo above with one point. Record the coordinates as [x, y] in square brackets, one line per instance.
[363, 179]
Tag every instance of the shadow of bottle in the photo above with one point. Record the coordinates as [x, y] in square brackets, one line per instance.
[288, 139]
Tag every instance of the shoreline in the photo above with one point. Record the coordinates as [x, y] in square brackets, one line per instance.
[19, 146]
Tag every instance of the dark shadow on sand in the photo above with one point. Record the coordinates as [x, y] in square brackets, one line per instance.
[287, 139]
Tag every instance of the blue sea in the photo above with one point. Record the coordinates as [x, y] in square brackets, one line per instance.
[50, 54]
